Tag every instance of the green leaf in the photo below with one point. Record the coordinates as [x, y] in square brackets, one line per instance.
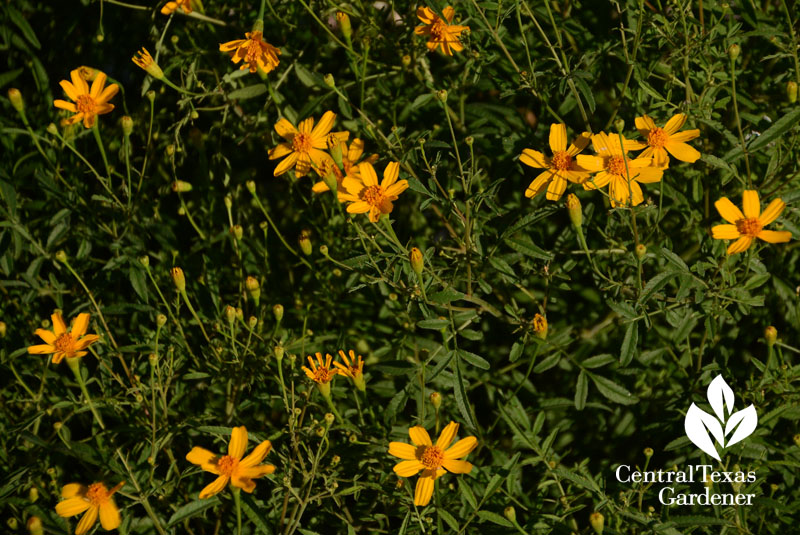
[460, 394]
[598, 361]
[495, 518]
[448, 518]
[250, 91]
[629, 343]
[446, 296]
[475, 360]
[467, 493]
[191, 510]
[252, 511]
[781, 126]
[529, 249]
[655, 284]
[581, 391]
[613, 391]
[674, 259]
[138, 282]
[23, 25]
[433, 323]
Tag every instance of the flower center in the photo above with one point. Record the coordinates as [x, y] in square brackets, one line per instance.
[323, 375]
[749, 227]
[227, 465]
[438, 29]
[301, 142]
[253, 48]
[86, 104]
[97, 494]
[65, 343]
[432, 457]
[657, 137]
[561, 161]
[616, 165]
[373, 195]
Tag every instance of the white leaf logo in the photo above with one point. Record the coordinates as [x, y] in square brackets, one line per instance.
[700, 426]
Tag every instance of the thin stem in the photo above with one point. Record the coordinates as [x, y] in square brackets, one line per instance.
[739, 124]
[194, 314]
[75, 365]
[99, 140]
[237, 491]
[277, 231]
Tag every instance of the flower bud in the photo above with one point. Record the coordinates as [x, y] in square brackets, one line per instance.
[330, 81]
[144, 260]
[305, 242]
[251, 186]
[145, 61]
[344, 24]
[151, 96]
[442, 95]
[539, 326]
[52, 129]
[152, 358]
[791, 92]
[597, 521]
[12, 523]
[178, 278]
[237, 231]
[733, 51]
[796, 439]
[406, 60]
[771, 335]
[34, 525]
[61, 256]
[436, 400]
[18, 104]
[179, 186]
[239, 314]
[33, 494]
[575, 211]
[511, 514]
[619, 124]
[161, 320]
[417, 260]
[3, 329]
[640, 251]
[230, 314]
[252, 321]
[253, 288]
[329, 418]
[277, 311]
[648, 452]
[127, 125]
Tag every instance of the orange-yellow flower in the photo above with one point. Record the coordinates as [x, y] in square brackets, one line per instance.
[304, 147]
[253, 51]
[745, 227]
[667, 139]
[622, 174]
[145, 61]
[88, 103]
[431, 461]
[559, 169]
[172, 5]
[96, 500]
[350, 159]
[365, 194]
[322, 373]
[439, 31]
[231, 467]
[61, 343]
[353, 368]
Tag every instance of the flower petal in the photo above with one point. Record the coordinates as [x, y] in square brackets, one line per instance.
[69, 89]
[750, 204]
[72, 506]
[107, 94]
[740, 245]
[41, 349]
[87, 521]
[203, 458]
[238, 444]
[59, 327]
[86, 341]
[109, 515]
[407, 468]
[534, 158]
[396, 189]
[591, 163]
[447, 436]
[324, 125]
[686, 135]
[556, 188]
[775, 236]
[285, 129]
[358, 207]
[558, 137]
[682, 151]
[419, 436]
[78, 82]
[64, 105]
[424, 491]
[257, 455]
[70, 490]
[244, 483]
[724, 232]
[728, 210]
[48, 336]
[580, 143]
[644, 124]
[79, 325]
[403, 450]
[390, 174]
[97, 85]
[286, 164]
[254, 472]
[457, 467]
[461, 448]
[770, 214]
[367, 172]
[539, 183]
[216, 486]
[675, 124]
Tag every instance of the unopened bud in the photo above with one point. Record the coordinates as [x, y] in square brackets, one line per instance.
[127, 125]
[436, 400]
[61, 256]
[277, 311]
[239, 314]
[329, 418]
[575, 211]
[305, 242]
[161, 320]
[237, 231]
[253, 288]
[640, 251]
[3, 329]
[539, 326]
[330, 81]
[52, 129]
[179, 186]
[771, 335]
[344, 24]
[417, 260]
[442, 95]
[230, 314]
[16, 99]
[251, 186]
[796, 439]
[178, 278]
[335, 460]
[511, 514]
[151, 96]
[34, 525]
[252, 321]
[279, 351]
[791, 92]
[33, 494]
[733, 51]
[12, 523]
[144, 260]
[597, 521]
[152, 359]
[406, 60]
[170, 149]
[648, 452]
[323, 250]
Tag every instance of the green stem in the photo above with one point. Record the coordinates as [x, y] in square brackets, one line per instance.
[238, 500]
[278, 232]
[99, 140]
[739, 124]
[75, 365]
[329, 399]
[194, 314]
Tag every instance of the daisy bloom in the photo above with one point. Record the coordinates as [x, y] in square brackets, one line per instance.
[431, 461]
[96, 500]
[622, 174]
[231, 467]
[353, 368]
[350, 160]
[171, 6]
[744, 227]
[439, 31]
[88, 103]
[365, 194]
[667, 139]
[61, 343]
[559, 169]
[321, 372]
[145, 61]
[256, 53]
[304, 146]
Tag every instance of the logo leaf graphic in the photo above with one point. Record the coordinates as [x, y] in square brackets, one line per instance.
[748, 419]
[697, 424]
[718, 391]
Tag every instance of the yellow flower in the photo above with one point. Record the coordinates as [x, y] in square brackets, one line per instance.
[559, 169]
[539, 326]
[145, 61]
[96, 500]
[88, 103]
[321, 371]
[365, 194]
[613, 167]
[431, 460]
[256, 53]
[353, 368]
[350, 159]
[61, 343]
[184, 5]
[744, 227]
[305, 144]
[667, 139]
[439, 31]
[231, 467]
